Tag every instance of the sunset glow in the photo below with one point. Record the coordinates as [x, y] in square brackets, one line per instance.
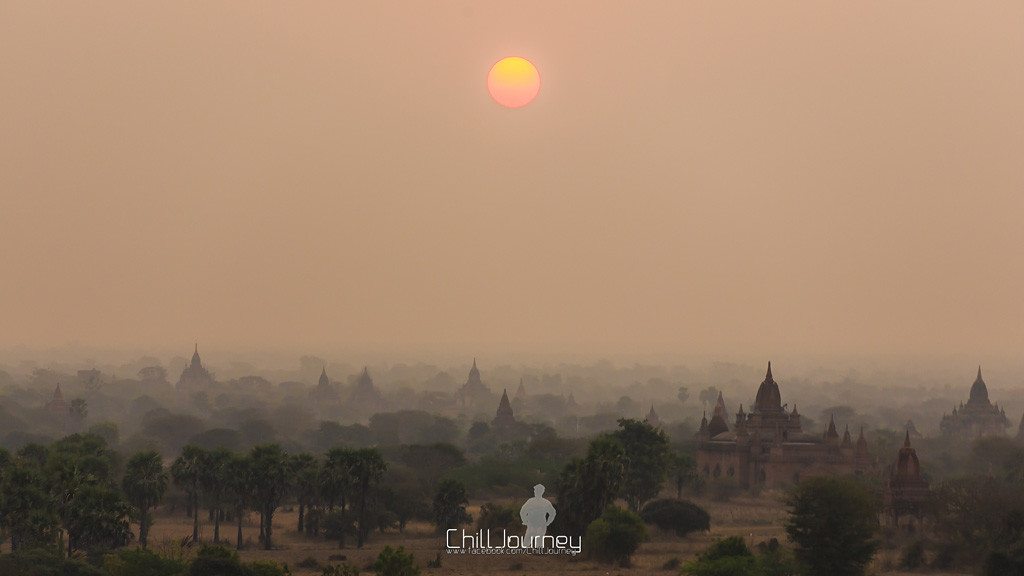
[513, 82]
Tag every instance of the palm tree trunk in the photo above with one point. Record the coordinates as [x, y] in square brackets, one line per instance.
[302, 516]
[238, 542]
[216, 526]
[143, 526]
[268, 543]
[195, 517]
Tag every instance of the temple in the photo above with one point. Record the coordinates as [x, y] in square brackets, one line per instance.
[57, 406]
[979, 417]
[364, 393]
[325, 390]
[768, 447]
[652, 418]
[906, 491]
[195, 377]
[504, 418]
[474, 394]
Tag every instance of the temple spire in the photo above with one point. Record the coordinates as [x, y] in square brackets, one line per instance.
[768, 376]
[906, 440]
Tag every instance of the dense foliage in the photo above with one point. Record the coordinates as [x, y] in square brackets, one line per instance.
[833, 522]
[615, 536]
[679, 516]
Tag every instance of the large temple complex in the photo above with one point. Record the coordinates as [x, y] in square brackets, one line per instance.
[768, 447]
[979, 417]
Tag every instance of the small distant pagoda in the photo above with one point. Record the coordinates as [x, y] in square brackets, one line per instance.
[364, 393]
[504, 418]
[652, 417]
[979, 417]
[57, 406]
[325, 390]
[474, 394]
[195, 377]
[906, 491]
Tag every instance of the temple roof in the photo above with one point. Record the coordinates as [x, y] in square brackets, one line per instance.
[831, 431]
[907, 465]
[504, 414]
[196, 362]
[324, 380]
[979, 391]
[768, 399]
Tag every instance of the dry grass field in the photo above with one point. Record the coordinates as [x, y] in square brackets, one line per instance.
[756, 519]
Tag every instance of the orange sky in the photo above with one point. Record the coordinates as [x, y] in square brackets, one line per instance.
[712, 177]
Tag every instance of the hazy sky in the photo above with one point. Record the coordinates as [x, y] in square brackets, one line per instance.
[761, 177]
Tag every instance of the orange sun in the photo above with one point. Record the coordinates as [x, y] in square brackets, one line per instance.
[513, 82]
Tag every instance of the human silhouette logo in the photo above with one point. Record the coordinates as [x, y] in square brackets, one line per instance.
[537, 514]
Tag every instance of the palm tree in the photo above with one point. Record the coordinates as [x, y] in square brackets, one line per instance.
[239, 485]
[367, 468]
[271, 481]
[187, 471]
[306, 479]
[214, 486]
[145, 482]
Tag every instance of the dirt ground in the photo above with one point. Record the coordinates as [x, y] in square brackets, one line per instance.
[756, 519]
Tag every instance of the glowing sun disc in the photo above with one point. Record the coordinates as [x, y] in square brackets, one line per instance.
[513, 82]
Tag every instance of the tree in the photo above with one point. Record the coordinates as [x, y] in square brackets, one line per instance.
[239, 485]
[306, 479]
[833, 522]
[647, 457]
[679, 516]
[396, 562]
[27, 511]
[615, 536]
[187, 471]
[367, 468]
[215, 486]
[708, 395]
[589, 485]
[683, 471]
[450, 505]
[97, 518]
[270, 481]
[682, 394]
[145, 482]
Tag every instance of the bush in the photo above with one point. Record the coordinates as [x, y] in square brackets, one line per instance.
[220, 561]
[679, 516]
[396, 562]
[43, 562]
[498, 517]
[264, 568]
[731, 557]
[216, 561]
[728, 557]
[345, 569]
[913, 556]
[139, 562]
[615, 536]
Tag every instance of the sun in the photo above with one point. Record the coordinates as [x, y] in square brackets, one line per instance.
[513, 82]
